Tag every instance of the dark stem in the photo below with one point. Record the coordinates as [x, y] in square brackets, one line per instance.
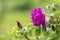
[25, 36]
[39, 28]
[37, 38]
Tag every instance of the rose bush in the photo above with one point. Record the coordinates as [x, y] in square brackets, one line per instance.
[49, 21]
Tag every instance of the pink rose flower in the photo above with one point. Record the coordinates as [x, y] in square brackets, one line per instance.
[37, 17]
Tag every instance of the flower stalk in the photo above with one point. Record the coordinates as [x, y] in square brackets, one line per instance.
[25, 36]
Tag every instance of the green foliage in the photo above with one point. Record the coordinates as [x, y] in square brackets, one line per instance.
[30, 32]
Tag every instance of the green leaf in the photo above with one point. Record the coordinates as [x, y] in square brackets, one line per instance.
[37, 32]
[57, 0]
[30, 33]
[57, 13]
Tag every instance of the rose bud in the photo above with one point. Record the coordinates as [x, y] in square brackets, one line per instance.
[19, 24]
[53, 28]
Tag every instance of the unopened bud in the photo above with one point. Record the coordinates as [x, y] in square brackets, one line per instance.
[19, 24]
[53, 28]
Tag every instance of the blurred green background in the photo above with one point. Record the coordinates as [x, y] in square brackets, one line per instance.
[12, 11]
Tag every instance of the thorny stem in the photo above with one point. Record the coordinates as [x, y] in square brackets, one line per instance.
[25, 36]
[37, 38]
